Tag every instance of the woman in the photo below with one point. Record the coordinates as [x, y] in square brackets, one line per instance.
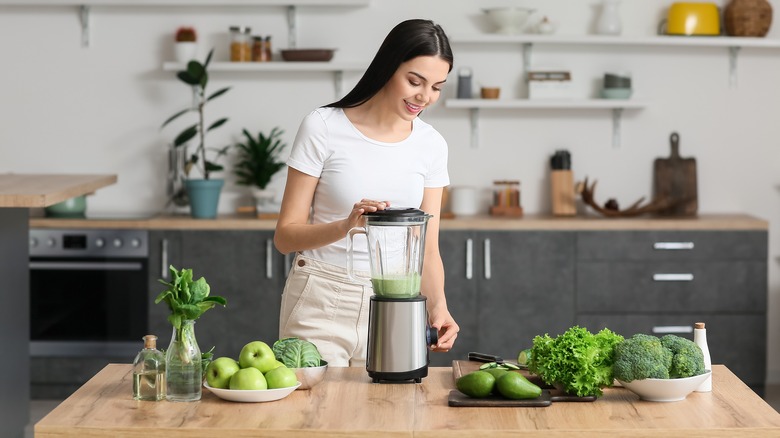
[369, 146]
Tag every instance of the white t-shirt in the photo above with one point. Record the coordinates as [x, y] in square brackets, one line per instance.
[351, 166]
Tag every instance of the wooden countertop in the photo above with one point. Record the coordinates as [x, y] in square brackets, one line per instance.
[347, 404]
[32, 190]
[528, 222]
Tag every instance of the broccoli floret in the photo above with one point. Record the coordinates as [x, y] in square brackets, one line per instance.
[641, 357]
[688, 359]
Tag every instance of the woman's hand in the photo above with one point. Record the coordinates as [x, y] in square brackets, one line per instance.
[364, 206]
[448, 329]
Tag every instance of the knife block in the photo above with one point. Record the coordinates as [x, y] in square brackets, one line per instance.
[562, 193]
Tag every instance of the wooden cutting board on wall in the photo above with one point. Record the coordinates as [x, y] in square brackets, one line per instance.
[674, 178]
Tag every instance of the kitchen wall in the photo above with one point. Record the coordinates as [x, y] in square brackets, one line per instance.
[65, 108]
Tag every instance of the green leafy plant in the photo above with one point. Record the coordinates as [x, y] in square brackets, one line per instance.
[257, 159]
[196, 75]
[186, 299]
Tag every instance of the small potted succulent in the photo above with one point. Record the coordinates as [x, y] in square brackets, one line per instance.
[256, 163]
[186, 47]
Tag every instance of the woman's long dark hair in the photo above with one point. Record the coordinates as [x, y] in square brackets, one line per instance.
[409, 39]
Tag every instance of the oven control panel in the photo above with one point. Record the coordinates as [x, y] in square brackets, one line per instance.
[88, 243]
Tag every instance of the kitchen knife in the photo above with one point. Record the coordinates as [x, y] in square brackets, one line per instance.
[482, 357]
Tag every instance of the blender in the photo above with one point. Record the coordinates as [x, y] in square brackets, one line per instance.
[398, 330]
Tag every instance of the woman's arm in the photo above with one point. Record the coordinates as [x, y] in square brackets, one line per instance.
[433, 274]
[293, 230]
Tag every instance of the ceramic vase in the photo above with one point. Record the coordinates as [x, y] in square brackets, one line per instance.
[183, 371]
[609, 22]
[204, 197]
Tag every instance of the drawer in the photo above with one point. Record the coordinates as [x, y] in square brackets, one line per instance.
[737, 341]
[672, 245]
[738, 286]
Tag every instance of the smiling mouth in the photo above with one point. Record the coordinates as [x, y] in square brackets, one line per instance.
[413, 108]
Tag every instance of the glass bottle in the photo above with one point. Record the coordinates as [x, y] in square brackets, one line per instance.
[149, 372]
[269, 55]
[183, 373]
[240, 49]
[700, 338]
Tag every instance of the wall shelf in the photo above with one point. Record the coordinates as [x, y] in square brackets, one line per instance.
[337, 68]
[86, 5]
[617, 106]
[733, 44]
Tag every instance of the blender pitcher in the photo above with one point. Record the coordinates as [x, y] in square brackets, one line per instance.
[396, 245]
[398, 330]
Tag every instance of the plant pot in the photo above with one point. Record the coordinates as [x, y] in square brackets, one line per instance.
[185, 51]
[264, 200]
[204, 197]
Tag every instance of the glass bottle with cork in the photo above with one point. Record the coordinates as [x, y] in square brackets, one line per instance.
[149, 372]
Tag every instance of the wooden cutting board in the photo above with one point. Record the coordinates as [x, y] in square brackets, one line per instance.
[674, 178]
[549, 394]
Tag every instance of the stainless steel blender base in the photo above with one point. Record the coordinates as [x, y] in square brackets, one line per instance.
[403, 376]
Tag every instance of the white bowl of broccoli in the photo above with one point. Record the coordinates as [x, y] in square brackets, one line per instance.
[659, 369]
[665, 390]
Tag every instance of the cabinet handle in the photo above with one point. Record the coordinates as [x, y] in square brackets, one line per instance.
[673, 245]
[287, 264]
[269, 262]
[486, 248]
[672, 329]
[673, 277]
[469, 258]
[164, 259]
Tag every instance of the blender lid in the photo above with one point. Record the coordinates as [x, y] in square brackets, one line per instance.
[396, 214]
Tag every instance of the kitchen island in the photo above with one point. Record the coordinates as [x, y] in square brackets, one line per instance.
[19, 193]
[347, 404]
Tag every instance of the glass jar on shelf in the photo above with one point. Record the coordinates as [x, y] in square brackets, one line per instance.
[240, 45]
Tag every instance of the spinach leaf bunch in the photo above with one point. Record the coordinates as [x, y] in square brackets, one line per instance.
[187, 299]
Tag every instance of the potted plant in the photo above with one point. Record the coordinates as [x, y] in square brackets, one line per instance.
[257, 162]
[203, 193]
[186, 46]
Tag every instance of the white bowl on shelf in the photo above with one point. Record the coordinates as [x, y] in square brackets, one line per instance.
[665, 390]
[508, 20]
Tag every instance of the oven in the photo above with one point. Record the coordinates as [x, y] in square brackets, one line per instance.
[88, 292]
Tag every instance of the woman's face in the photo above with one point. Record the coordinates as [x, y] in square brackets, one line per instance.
[416, 84]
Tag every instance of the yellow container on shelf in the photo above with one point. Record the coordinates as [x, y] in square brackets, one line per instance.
[686, 18]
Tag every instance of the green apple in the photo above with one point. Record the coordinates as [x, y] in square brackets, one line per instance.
[281, 377]
[277, 365]
[248, 378]
[219, 372]
[257, 354]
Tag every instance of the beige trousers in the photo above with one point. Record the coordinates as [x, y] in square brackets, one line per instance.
[322, 305]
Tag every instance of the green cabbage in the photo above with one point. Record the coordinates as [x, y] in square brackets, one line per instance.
[296, 353]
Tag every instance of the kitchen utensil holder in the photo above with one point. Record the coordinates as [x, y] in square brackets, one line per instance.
[562, 192]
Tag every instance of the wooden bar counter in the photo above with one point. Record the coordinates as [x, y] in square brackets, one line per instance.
[347, 404]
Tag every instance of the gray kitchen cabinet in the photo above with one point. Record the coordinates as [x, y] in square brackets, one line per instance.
[164, 250]
[505, 287]
[244, 267]
[659, 282]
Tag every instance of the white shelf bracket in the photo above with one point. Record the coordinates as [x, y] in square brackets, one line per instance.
[338, 83]
[528, 49]
[616, 119]
[292, 27]
[84, 15]
[474, 119]
[733, 52]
